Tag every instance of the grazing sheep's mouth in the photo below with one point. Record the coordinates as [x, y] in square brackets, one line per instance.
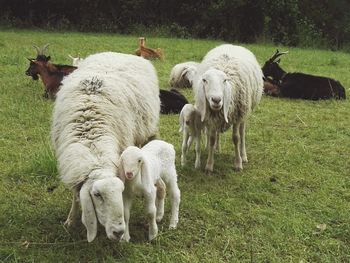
[216, 107]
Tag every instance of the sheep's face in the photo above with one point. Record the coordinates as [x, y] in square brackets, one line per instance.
[130, 163]
[102, 200]
[182, 76]
[214, 82]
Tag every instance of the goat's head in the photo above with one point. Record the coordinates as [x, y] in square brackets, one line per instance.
[271, 67]
[214, 89]
[34, 68]
[131, 163]
[102, 201]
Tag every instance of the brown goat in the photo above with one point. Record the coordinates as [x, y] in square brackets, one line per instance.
[148, 53]
[50, 74]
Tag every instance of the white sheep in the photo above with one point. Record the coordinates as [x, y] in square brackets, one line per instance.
[191, 128]
[144, 169]
[76, 60]
[110, 102]
[181, 75]
[228, 86]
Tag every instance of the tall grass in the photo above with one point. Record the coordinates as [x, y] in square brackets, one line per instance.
[290, 203]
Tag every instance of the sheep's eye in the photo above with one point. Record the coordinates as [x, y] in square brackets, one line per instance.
[97, 194]
[139, 160]
[204, 80]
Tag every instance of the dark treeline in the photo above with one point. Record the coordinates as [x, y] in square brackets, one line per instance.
[291, 22]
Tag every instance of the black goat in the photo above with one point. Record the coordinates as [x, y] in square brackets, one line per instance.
[299, 85]
[171, 101]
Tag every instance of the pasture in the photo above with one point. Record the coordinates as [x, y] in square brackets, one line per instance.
[289, 204]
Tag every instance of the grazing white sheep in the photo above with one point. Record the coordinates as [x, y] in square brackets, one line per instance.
[191, 128]
[144, 169]
[110, 102]
[228, 86]
[76, 60]
[181, 75]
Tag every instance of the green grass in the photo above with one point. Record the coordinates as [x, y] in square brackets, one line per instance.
[296, 180]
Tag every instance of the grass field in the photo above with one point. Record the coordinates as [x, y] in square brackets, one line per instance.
[291, 203]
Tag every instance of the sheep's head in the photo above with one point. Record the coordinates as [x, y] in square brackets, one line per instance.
[271, 67]
[102, 201]
[181, 76]
[130, 163]
[214, 89]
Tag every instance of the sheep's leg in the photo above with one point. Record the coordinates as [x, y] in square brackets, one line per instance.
[161, 192]
[127, 200]
[184, 148]
[175, 199]
[236, 141]
[243, 150]
[197, 164]
[217, 142]
[73, 215]
[189, 142]
[151, 211]
[210, 161]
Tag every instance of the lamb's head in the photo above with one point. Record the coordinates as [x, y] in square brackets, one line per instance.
[130, 163]
[214, 93]
[186, 116]
[101, 199]
[182, 75]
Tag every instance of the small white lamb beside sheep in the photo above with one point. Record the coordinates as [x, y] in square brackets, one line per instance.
[181, 75]
[228, 86]
[144, 169]
[191, 127]
[109, 102]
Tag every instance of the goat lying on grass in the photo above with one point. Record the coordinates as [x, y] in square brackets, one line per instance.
[171, 101]
[144, 169]
[299, 85]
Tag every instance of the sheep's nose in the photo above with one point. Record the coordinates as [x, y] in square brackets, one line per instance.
[216, 100]
[118, 234]
[129, 175]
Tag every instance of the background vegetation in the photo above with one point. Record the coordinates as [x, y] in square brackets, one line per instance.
[317, 23]
[290, 203]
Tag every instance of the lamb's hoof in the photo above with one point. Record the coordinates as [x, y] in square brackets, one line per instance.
[152, 237]
[208, 172]
[238, 169]
[159, 218]
[244, 159]
[125, 238]
[172, 226]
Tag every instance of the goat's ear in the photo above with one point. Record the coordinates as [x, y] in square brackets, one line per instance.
[120, 170]
[278, 61]
[88, 216]
[48, 58]
[201, 99]
[227, 98]
[181, 120]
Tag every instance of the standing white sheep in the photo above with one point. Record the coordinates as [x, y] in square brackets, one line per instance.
[228, 86]
[181, 75]
[191, 128]
[110, 102]
[144, 169]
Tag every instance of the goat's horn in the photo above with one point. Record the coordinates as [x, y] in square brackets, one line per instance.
[39, 52]
[277, 54]
[44, 48]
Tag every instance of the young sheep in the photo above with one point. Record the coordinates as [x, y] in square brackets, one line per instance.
[143, 169]
[191, 127]
[228, 87]
[181, 75]
[110, 102]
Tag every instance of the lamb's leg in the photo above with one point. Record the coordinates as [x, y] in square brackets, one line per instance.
[127, 200]
[151, 211]
[210, 161]
[197, 164]
[243, 150]
[189, 142]
[184, 148]
[217, 142]
[161, 192]
[175, 199]
[236, 141]
[73, 215]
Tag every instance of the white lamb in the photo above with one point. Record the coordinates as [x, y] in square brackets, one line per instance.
[228, 87]
[144, 169]
[109, 103]
[191, 128]
[181, 75]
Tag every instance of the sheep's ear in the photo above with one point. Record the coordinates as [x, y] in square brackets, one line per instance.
[120, 170]
[88, 212]
[201, 99]
[181, 120]
[227, 98]
[190, 73]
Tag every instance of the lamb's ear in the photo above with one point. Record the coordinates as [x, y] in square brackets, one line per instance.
[227, 98]
[120, 170]
[88, 216]
[201, 99]
[144, 173]
[181, 120]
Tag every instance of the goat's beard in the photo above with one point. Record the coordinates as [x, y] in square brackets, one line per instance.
[35, 77]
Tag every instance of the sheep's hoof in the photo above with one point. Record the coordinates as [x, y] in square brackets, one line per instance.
[159, 218]
[125, 238]
[208, 172]
[172, 226]
[244, 159]
[238, 169]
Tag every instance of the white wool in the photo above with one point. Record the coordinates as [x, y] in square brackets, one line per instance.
[110, 102]
[181, 75]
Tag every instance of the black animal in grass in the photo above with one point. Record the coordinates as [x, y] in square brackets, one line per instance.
[171, 101]
[299, 85]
